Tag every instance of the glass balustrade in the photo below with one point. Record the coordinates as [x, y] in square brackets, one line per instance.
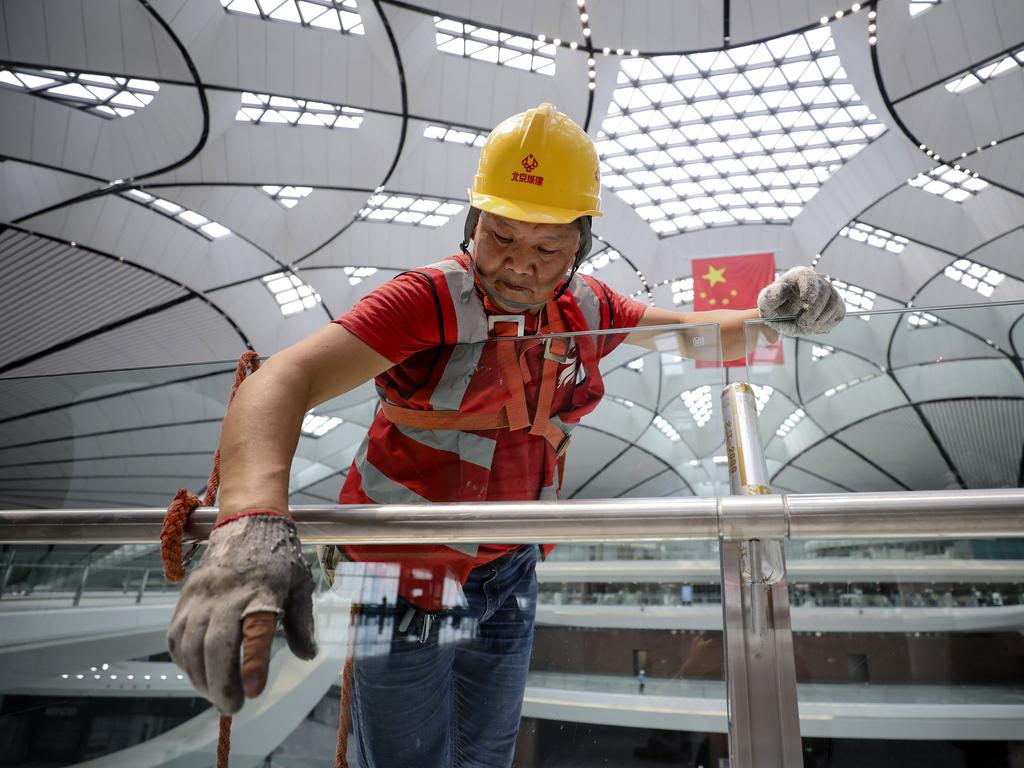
[132, 438]
[919, 638]
[908, 651]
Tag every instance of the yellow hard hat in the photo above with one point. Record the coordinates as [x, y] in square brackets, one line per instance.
[538, 166]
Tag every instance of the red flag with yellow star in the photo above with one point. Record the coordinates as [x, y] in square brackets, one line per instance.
[733, 282]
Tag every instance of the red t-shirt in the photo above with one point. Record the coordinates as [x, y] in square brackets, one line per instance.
[399, 320]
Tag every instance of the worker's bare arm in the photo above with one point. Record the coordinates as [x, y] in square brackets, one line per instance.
[261, 429]
[697, 343]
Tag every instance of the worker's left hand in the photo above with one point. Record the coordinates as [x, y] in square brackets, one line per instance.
[804, 302]
[252, 574]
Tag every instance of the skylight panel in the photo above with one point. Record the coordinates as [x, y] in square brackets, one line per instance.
[314, 425]
[855, 298]
[950, 183]
[666, 428]
[454, 135]
[699, 403]
[491, 45]
[821, 351]
[109, 97]
[746, 135]
[916, 7]
[191, 219]
[975, 276]
[682, 291]
[600, 261]
[879, 238]
[790, 422]
[404, 209]
[291, 293]
[922, 320]
[833, 391]
[356, 274]
[983, 74]
[260, 108]
[337, 15]
[287, 196]
[762, 394]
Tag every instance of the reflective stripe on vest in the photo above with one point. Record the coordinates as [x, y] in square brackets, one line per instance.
[455, 284]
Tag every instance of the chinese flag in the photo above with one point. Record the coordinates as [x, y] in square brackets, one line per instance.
[733, 282]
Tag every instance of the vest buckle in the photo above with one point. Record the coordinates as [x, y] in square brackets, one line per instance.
[519, 320]
[561, 358]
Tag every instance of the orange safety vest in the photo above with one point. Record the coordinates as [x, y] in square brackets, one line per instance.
[476, 387]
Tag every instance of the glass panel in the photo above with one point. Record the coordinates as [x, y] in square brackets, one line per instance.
[908, 652]
[626, 657]
[131, 438]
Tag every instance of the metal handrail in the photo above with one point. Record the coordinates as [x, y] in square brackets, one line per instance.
[911, 514]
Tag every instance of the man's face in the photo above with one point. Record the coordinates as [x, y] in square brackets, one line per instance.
[521, 261]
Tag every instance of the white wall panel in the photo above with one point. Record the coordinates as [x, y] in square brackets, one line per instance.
[25, 188]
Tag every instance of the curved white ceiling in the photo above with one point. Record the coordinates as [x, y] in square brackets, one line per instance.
[99, 276]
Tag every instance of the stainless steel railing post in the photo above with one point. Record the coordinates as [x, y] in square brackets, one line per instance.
[8, 569]
[81, 585]
[764, 722]
[142, 586]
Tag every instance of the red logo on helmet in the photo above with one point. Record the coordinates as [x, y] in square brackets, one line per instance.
[530, 162]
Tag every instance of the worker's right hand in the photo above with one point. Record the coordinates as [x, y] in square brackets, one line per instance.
[252, 574]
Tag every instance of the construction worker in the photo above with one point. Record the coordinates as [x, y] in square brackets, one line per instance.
[461, 419]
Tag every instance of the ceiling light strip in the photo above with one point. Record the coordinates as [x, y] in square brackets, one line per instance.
[873, 236]
[333, 15]
[454, 135]
[953, 183]
[288, 196]
[262, 108]
[292, 295]
[101, 95]
[494, 46]
[980, 75]
[208, 228]
[406, 209]
[977, 277]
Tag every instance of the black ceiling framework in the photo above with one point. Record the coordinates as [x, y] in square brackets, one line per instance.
[403, 88]
[800, 403]
[125, 184]
[913, 405]
[893, 112]
[650, 423]
[404, 116]
[957, 73]
[656, 457]
[282, 266]
[966, 255]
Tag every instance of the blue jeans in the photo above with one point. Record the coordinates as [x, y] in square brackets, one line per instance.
[455, 700]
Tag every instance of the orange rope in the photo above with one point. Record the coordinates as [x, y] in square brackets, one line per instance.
[183, 505]
[223, 741]
[185, 502]
[345, 711]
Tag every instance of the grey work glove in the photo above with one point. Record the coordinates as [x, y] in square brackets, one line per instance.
[806, 299]
[252, 574]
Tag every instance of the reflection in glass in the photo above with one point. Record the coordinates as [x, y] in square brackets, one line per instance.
[921, 632]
